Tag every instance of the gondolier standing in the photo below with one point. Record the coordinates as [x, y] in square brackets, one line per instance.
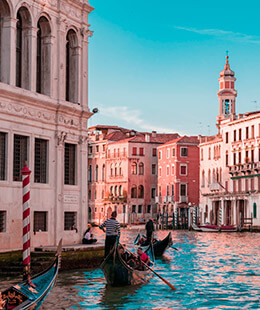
[149, 231]
[112, 232]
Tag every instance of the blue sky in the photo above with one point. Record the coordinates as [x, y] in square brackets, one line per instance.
[154, 65]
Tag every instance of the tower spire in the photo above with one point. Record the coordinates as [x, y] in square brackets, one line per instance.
[227, 93]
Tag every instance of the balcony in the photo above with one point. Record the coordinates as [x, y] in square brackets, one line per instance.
[158, 199]
[170, 198]
[183, 198]
[242, 169]
[164, 199]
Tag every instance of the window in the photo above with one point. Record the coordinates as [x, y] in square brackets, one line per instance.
[134, 168]
[239, 158]
[70, 164]
[115, 170]
[235, 135]
[209, 157]
[141, 168]
[97, 148]
[184, 151]
[209, 177]
[134, 151]
[90, 173]
[149, 209]
[134, 191]
[70, 219]
[20, 156]
[252, 156]
[3, 156]
[116, 190]
[40, 161]
[141, 151]
[226, 159]
[167, 170]
[133, 208]
[160, 171]
[168, 153]
[254, 211]
[173, 152]
[103, 172]
[252, 131]
[111, 170]
[153, 191]
[183, 170]
[154, 167]
[172, 169]
[43, 62]
[96, 173]
[154, 152]
[103, 147]
[140, 191]
[89, 194]
[90, 149]
[114, 152]
[240, 134]
[2, 221]
[234, 159]
[19, 28]
[140, 207]
[160, 154]
[172, 190]
[203, 178]
[39, 221]
[111, 190]
[247, 132]
[124, 208]
[226, 137]
[201, 154]
[120, 190]
[183, 189]
[72, 67]
[167, 190]
[118, 152]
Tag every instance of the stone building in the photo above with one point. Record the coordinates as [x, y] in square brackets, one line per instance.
[123, 173]
[178, 179]
[43, 118]
[230, 163]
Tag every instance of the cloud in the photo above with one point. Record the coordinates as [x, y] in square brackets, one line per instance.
[131, 117]
[224, 34]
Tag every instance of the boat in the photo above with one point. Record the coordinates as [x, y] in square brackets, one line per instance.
[214, 228]
[159, 246]
[118, 273]
[31, 293]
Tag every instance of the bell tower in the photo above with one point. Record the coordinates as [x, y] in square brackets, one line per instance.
[227, 93]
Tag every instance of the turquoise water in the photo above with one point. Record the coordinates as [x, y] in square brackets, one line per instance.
[209, 270]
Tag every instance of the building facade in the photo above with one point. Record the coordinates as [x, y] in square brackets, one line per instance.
[178, 179]
[123, 173]
[229, 163]
[43, 118]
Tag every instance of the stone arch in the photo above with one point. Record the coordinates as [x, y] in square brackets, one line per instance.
[43, 64]
[72, 66]
[134, 191]
[5, 23]
[140, 191]
[23, 48]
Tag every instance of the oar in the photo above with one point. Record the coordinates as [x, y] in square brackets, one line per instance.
[165, 281]
[174, 248]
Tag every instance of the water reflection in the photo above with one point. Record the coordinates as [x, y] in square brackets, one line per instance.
[210, 271]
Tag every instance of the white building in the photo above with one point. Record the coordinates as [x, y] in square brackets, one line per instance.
[230, 163]
[43, 118]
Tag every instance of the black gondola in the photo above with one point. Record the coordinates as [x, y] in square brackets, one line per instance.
[159, 246]
[118, 273]
[31, 294]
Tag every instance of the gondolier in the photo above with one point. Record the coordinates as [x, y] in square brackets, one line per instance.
[149, 231]
[112, 232]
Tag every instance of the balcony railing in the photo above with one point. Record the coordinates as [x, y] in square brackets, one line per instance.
[244, 168]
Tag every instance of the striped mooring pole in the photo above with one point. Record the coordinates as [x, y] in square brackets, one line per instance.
[26, 221]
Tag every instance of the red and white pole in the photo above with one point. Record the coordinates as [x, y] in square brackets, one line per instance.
[26, 220]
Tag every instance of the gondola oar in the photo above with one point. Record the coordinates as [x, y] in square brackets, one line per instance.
[174, 248]
[165, 281]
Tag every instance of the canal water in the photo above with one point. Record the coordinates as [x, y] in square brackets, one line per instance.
[209, 270]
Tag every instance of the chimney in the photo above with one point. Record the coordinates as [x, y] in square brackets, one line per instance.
[147, 137]
[154, 134]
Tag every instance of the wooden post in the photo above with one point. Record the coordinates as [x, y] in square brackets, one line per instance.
[26, 221]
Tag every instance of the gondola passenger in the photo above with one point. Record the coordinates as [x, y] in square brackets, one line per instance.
[142, 258]
[112, 232]
[88, 237]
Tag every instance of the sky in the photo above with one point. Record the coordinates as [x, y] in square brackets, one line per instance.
[154, 65]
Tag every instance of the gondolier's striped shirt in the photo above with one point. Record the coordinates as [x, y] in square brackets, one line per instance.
[112, 227]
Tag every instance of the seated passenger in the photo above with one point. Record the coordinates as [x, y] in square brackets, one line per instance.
[142, 258]
[88, 237]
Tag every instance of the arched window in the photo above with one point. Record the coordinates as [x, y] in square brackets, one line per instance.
[115, 169]
[217, 175]
[120, 169]
[203, 178]
[120, 190]
[43, 71]
[111, 191]
[116, 190]
[72, 67]
[209, 153]
[90, 173]
[140, 191]
[209, 177]
[96, 172]
[141, 168]
[134, 168]
[103, 172]
[111, 170]
[23, 44]
[214, 176]
[220, 175]
[5, 45]
[134, 191]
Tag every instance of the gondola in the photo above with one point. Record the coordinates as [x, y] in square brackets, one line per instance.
[118, 273]
[159, 246]
[31, 293]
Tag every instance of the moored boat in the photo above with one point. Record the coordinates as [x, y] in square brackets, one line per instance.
[118, 273]
[31, 293]
[159, 246]
[215, 228]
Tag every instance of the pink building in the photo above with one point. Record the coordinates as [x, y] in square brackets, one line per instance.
[230, 162]
[178, 177]
[123, 173]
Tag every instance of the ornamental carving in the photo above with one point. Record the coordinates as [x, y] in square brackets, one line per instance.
[61, 137]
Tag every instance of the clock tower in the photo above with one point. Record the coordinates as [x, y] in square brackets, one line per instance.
[227, 93]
